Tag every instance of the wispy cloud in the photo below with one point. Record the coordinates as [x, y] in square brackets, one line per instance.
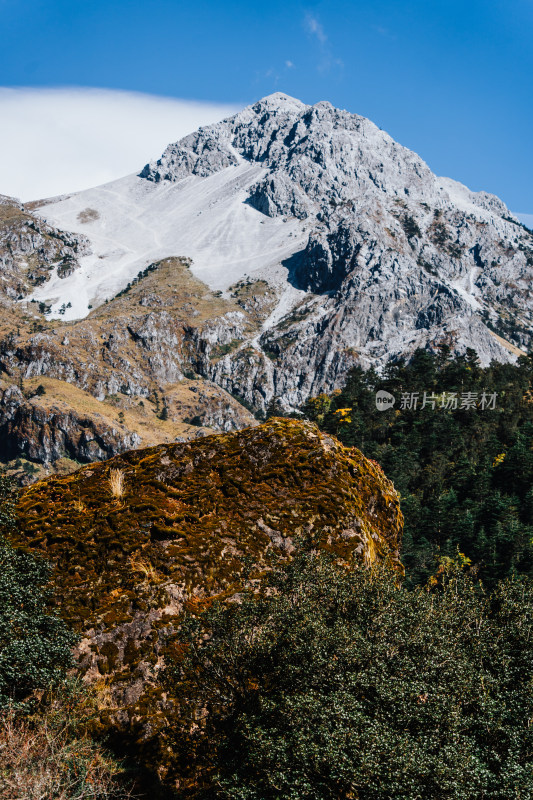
[289, 65]
[316, 30]
[54, 141]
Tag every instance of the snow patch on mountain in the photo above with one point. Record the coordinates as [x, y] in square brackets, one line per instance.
[133, 222]
[370, 253]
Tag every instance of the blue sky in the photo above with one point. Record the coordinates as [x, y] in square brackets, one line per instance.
[451, 80]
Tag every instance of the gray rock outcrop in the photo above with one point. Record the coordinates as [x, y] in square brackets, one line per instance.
[44, 435]
[396, 258]
[30, 250]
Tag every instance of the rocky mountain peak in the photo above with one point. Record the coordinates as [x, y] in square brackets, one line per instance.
[279, 102]
[316, 156]
[339, 245]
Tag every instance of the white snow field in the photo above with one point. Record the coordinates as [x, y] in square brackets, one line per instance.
[139, 222]
[307, 164]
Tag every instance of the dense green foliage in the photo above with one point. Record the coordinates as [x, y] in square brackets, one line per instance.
[45, 749]
[35, 644]
[339, 683]
[465, 475]
[7, 504]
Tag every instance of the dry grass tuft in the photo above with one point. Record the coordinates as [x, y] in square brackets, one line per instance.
[117, 482]
[103, 696]
[42, 758]
[143, 567]
[79, 505]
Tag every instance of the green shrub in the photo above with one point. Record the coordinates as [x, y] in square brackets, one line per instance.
[35, 644]
[337, 683]
[7, 504]
[410, 227]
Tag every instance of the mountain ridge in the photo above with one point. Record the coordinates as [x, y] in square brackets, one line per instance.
[314, 241]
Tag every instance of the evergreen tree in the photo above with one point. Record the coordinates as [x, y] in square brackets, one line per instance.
[464, 474]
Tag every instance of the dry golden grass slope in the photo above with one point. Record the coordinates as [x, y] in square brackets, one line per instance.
[133, 364]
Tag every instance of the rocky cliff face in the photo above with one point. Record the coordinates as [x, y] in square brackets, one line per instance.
[44, 434]
[50, 426]
[153, 332]
[31, 250]
[189, 516]
[318, 243]
[396, 258]
[127, 375]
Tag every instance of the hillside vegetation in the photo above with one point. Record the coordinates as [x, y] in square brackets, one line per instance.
[346, 684]
[465, 474]
[247, 633]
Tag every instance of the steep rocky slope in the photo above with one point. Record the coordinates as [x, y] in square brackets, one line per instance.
[130, 371]
[30, 250]
[53, 427]
[46, 432]
[258, 259]
[154, 331]
[189, 519]
[367, 253]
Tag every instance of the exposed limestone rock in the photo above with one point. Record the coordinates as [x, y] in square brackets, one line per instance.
[134, 352]
[377, 256]
[45, 435]
[30, 250]
[51, 427]
[127, 566]
[397, 258]
[125, 347]
[196, 154]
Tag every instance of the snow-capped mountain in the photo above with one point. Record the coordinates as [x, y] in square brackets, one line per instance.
[365, 253]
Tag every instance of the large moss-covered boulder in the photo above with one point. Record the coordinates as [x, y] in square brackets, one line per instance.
[140, 538]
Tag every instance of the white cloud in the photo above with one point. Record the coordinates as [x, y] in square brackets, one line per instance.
[326, 60]
[54, 141]
[289, 64]
[315, 27]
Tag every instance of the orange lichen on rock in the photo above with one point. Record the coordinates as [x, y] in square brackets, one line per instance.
[190, 517]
